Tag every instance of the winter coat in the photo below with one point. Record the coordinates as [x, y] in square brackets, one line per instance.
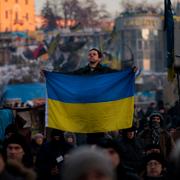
[99, 69]
[125, 173]
[166, 141]
[18, 171]
[50, 158]
[132, 153]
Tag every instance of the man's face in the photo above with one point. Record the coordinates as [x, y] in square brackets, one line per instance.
[70, 140]
[39, 140]
[154, 168]
[130, 134]
[15, 152]
[93, 58]
[156, 119]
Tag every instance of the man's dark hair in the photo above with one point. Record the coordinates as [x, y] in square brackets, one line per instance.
[100, 55]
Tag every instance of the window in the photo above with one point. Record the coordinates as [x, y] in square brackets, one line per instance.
[6, 14]
[146, 44]
[139, 44]
[27, 16]
[16, 16]
[139, 55]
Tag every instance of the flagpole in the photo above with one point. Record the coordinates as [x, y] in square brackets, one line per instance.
[177, 70]
[178, 83]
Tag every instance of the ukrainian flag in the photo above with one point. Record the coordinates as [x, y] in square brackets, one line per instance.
[90, 103]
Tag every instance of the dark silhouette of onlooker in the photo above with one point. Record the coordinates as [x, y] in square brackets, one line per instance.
[51, 156]
[131, 149]
[112, 149]
[36, 144]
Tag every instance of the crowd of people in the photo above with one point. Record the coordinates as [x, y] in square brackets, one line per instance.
[149, 150]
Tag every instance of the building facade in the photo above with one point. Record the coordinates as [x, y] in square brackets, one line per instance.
[17, 15]
[144, 35]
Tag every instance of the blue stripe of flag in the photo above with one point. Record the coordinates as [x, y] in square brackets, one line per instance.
[90, 88]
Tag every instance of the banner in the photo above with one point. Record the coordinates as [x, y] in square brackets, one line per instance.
[90, 103]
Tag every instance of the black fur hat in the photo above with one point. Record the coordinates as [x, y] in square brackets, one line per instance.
[156, 113]
[155, 156]
[17, 139]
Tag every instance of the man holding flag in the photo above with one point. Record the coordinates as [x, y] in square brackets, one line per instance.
[94, 66]
[94, 99]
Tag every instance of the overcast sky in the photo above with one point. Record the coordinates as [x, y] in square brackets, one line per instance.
[113, 6]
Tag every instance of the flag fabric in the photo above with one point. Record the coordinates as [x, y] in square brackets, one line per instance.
[90, 103]
[53, 44]
[39, 51]
[169, 28]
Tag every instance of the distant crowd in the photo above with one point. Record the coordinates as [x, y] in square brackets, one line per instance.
[149, 150]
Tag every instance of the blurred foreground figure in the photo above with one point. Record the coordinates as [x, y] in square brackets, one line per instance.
[87, 163]
[51, 156]
[131, 149]
[112, 150]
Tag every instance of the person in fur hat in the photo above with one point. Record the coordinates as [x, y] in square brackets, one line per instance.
[155, 167]
[16, 148]
[18, 159]
[156, 135]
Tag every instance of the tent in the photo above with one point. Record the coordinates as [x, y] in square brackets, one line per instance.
[22, 99]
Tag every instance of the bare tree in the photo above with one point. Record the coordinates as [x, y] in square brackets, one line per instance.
[49, 17]
[85, 12]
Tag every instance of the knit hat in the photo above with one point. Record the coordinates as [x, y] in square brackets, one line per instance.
[70, 135]
[17, 139]
[11, 128]
[131, 129]
[155, 156]
[152, 146]
[110, 143]
[156, 113]
[38, 135]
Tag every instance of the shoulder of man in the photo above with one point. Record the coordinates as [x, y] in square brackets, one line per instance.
[105, 69]
[82, 70]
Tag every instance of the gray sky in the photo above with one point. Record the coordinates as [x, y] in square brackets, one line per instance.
[113, 6]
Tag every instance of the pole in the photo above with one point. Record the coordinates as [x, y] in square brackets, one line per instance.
[178, 83]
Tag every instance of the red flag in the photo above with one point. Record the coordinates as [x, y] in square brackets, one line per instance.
[40, 50]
